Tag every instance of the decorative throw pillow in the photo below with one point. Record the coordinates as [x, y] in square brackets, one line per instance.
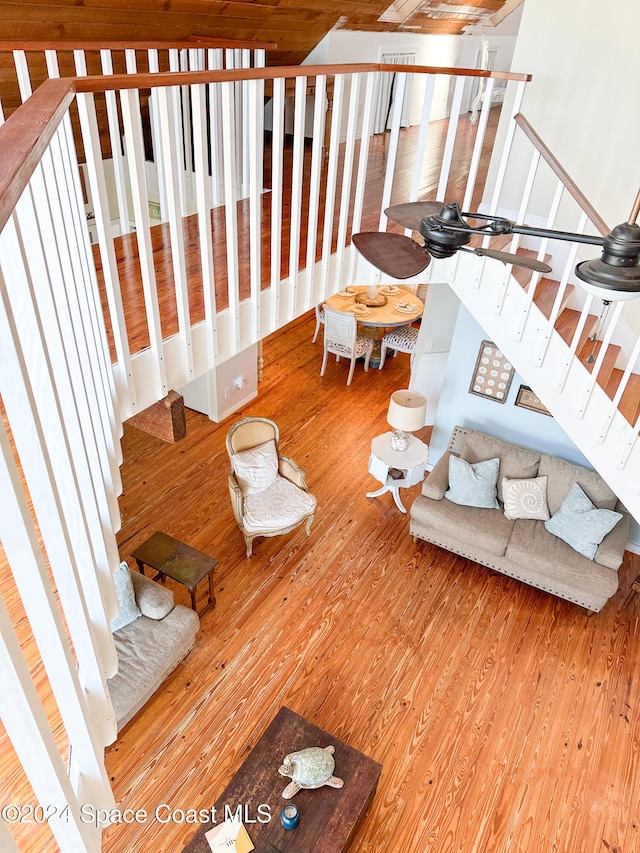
[128, 608]
[473, 485]
[256, 469]
[580, 524]
[525, 498]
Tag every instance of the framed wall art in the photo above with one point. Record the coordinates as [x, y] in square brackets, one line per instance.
[492, 374]
[526, 399]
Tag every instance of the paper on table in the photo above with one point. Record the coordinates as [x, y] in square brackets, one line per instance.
[229, 837]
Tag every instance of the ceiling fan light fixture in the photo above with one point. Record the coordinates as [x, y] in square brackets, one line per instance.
[616, 274]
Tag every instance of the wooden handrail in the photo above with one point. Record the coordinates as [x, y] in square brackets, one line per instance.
[26, 134]
[192, 42]
[99, 83]
[562, 175]
[456, 72]
[24, 138]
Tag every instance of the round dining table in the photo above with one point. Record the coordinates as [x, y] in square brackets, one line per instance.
[401, 308]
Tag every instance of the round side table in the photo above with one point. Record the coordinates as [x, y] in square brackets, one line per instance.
[397, 469]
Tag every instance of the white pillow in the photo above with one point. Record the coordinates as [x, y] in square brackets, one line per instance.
[525, 498]
[128, 607]
[256, 469]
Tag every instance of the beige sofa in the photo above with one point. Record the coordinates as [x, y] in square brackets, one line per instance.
[150, 647]
[522, 548]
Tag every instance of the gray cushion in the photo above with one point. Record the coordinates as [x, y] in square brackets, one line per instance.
[562, 475]
[516, 463]
[580, 524]
[487, 530]
[128, 610]
[473, 484]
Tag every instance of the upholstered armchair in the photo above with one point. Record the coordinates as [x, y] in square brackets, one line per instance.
[269, 493]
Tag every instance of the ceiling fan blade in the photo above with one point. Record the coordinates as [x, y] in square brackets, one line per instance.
[516, 260]
[411, 214]
[393, 254]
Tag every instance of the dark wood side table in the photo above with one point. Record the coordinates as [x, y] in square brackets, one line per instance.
[173, 559]
[329, 817]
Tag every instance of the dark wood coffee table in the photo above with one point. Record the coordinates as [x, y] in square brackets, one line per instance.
[329, 817]
[173, 559]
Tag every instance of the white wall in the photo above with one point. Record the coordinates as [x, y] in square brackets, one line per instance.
[504, 420]
[443, 51]
[503, 45]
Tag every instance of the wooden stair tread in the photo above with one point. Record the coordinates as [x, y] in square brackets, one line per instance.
[567, 323]
[629, 405]
[545, 295]
[611, 356]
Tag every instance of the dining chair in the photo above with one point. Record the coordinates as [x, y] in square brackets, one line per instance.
[341, 338]
[400, 339]
[319, 321]
[269, 494]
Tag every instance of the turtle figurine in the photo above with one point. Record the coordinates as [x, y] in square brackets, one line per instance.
[309, 768]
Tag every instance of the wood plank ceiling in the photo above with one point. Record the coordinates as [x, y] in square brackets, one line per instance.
[295, 26]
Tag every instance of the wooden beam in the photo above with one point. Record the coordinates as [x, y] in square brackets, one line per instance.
[499, 16]
[164, 419]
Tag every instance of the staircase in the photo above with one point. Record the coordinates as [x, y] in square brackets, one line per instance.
[552, 346]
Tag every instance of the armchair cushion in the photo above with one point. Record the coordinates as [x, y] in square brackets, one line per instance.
[256, 469]
[279, 506]
[128, 609]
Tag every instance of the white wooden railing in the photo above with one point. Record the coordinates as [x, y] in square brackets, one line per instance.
[64, 392]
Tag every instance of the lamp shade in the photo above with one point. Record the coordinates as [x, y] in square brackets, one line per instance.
[407, 410]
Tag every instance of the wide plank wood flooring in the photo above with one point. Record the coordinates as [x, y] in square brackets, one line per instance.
[505, 719]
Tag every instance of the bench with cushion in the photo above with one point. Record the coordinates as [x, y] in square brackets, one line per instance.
[151, 635]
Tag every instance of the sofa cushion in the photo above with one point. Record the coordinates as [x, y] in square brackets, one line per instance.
[485, 529]
[562, 475]
[473, 484]
[148, 650]
[580, 524]
[256, 469]
[128, 610]
[525, 498]
[536, 550]
[515, 462]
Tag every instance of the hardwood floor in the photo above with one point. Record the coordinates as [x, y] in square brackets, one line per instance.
[505, 719]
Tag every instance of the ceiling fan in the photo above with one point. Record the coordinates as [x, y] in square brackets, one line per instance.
[447, 230]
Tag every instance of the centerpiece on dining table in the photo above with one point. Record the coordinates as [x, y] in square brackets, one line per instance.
[371, 297]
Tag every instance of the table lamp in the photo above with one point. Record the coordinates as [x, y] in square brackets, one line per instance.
[407, 413]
